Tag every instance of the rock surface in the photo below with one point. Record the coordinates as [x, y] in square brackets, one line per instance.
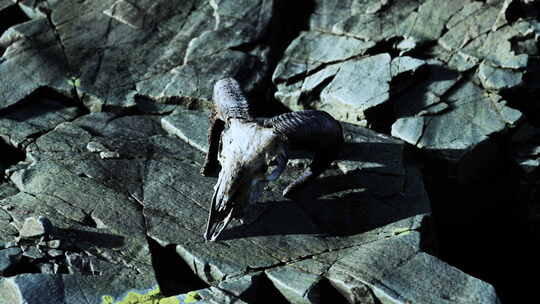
[347, 88]
[156, 185]
[104, 117]
[36, 227]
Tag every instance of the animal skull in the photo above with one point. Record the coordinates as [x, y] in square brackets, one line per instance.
[253, 151]
[251, 155]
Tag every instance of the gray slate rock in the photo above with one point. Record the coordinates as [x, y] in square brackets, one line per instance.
[8, 258]
[32, 288]
[405, 64]
[357, 272]
[163, 179]
[49, 288]
[5, 4]
[164, 197]
[498, 78]
[312, 50]
[129, 179]
[54, 244]
[19, 125]
[35, 227]
[422, 93]
[297, 286]
[452, 134]
[212, 295]
[54, 252]
[353, 290]
[7, 231]
[371, 78]
[396, 19]
[33, 253]
[102, 49]
[24, 67]
[391, 280]
[301, 94]
[190, 126]
[526, 148]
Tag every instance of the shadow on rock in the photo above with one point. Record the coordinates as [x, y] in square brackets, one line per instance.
[379, 187]
[331, 206]
[89, 239]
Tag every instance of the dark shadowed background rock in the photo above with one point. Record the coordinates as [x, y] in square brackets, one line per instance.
[103, 128]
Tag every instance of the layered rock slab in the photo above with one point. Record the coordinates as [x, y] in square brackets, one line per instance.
[149, 186]
[329, 221]
[149, 169]
[106, 52]
[432, 69]
[99, 232]
[361, 276]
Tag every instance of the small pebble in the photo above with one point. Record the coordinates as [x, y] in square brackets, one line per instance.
[94, 147]
[54, 244]
[46, 268]
[109, 154]
[55, 252]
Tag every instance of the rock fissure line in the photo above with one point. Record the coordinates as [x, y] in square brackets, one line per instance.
[141, 206]
[314, 255]
[48, 13]
[183, 195]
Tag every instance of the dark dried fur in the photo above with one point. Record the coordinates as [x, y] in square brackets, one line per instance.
[308, 129]
[311, 130]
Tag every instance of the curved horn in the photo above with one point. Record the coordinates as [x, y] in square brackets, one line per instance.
[229, 102]
[309, 130]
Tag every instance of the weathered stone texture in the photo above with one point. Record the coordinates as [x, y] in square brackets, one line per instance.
[104, 107]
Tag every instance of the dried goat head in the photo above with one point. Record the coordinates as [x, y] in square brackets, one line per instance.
[254, 151]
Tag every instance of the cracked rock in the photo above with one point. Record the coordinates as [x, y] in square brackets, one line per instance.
[475, 115]
[33, 253]
[312, 50]
[391, 280]
[190, 126]
[109, 47]
[32, 288]
[353, 290]
[358, 273]
[35, 227]
[31, 45]
[163, 176]
[54, 288]
[526, 148]
[296, 286]
[405, 64]
[163, 179]
[121, 185]
[396, 19]
[8, 258]
[358, 86]
[19, 125]
[498, 78]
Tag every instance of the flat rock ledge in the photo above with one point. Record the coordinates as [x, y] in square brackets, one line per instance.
[348, 234]
[438, 72]
[103, 117]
